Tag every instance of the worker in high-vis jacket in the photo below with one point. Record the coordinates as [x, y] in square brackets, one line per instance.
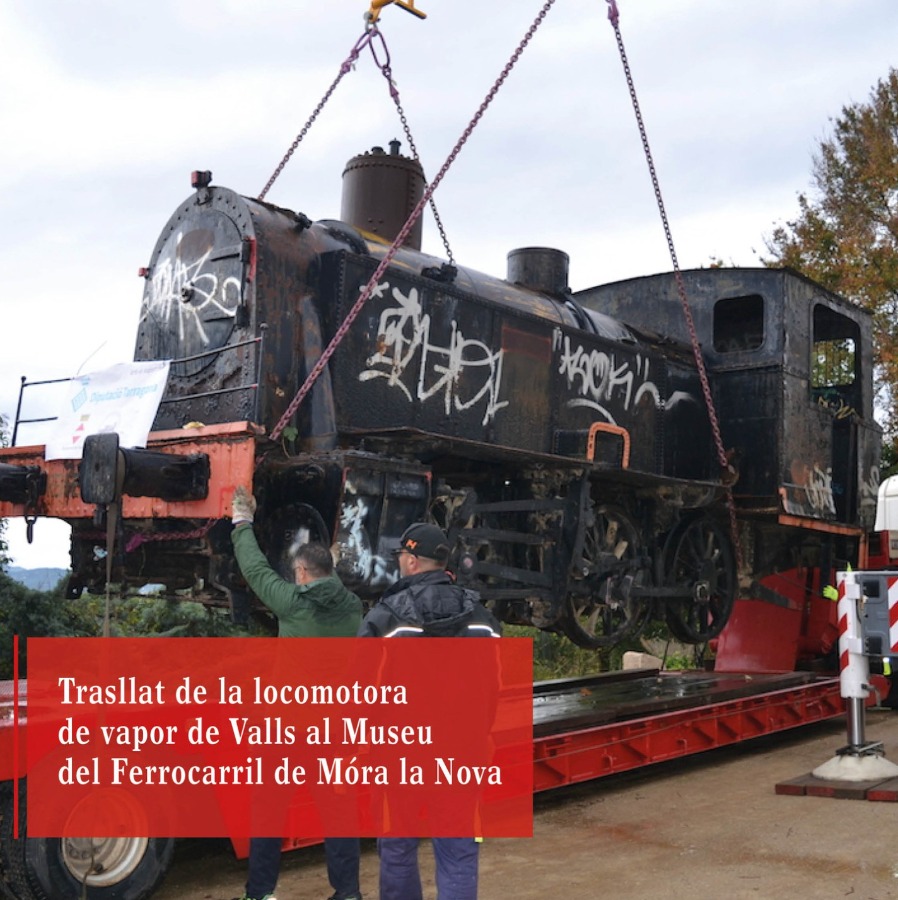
[426, 602]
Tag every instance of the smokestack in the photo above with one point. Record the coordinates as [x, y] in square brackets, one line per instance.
[539, 269]
[380, 190]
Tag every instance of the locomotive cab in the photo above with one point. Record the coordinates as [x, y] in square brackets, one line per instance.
[791, 367]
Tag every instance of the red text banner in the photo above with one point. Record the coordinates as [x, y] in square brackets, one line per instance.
[304, 738]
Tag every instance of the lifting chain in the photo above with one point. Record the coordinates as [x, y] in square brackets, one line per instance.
[348, 63]
[113, 526]
[372, 32]
[367, 290]
[394, 93]
[723, 461]
[137, 539]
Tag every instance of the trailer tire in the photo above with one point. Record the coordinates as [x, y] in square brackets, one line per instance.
[137, 868]
[14, 884]
[55, 868]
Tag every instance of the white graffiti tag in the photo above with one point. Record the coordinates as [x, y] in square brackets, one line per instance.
[810, 490]
[182, 295]
[358, 561]
[869, 487]
[599, 377]
[404, 335]
[819, 490]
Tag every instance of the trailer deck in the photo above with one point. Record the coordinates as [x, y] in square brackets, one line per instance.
[590, 727]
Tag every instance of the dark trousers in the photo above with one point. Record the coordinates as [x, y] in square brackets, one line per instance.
[265, 863]
[343, 866]
[456, 868]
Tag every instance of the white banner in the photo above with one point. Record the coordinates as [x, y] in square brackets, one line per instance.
[123, 398]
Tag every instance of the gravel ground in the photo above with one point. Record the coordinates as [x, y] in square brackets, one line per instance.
[707, 827]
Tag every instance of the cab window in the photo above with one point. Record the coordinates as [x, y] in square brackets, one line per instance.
[738, 324]
[835, 361]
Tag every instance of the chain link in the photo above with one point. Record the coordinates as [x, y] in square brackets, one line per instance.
[387, 71]
[348, 63]
[137, 539]
[140, 538]
[678, 277]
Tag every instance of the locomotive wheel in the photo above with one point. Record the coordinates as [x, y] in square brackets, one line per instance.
[699, 558]
[293, 524]
[609, 613]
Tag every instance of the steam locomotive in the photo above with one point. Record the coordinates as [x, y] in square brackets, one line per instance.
[563, 440]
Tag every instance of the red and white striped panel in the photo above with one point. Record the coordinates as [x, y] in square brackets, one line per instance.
[892, 583]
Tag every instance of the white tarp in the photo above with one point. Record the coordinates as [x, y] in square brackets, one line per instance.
[122, 398]
[887, 505]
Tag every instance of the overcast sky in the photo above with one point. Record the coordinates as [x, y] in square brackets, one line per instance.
[107, 106]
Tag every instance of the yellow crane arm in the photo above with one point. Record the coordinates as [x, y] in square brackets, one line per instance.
[377, 5]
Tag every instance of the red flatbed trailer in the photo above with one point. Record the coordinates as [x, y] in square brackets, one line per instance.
[601, 725]
[590, 727]
[597, 725]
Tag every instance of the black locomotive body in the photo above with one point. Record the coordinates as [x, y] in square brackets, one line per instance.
[563, 440]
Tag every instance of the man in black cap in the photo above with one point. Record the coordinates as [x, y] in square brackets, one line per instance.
[426, 602]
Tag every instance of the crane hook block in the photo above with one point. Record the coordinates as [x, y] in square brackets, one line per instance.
[377, 5]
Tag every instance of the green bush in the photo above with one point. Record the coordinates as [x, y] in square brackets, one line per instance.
[29, 614]
[555, 656]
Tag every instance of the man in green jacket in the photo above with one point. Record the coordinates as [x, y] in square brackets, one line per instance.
[315, 605]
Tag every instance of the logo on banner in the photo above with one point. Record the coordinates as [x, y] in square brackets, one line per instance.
[123, 399]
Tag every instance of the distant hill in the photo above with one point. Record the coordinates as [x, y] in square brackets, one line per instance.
[36, 579]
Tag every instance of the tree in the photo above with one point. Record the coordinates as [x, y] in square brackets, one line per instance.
[4, 547]
[846, 233]
[29, 613]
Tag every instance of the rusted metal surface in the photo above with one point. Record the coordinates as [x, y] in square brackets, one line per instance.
[380, 190]
[231, 448]
[810, 450]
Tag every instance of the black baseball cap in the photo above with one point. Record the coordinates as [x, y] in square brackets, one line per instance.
[422, 539]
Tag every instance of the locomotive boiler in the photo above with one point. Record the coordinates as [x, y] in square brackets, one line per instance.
[562, 439]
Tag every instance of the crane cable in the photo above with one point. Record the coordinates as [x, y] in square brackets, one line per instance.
[371, 33]
[368, 289]
[614, 18]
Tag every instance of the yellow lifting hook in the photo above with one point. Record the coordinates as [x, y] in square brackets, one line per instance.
[377, 5]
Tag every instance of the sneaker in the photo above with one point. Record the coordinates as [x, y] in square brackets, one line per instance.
[247, 897]
[349, 897]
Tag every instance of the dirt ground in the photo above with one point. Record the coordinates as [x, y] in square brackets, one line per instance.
[707, 828]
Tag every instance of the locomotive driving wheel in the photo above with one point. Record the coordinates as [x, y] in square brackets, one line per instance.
[602, 607]
[699, 558]
[291, 525]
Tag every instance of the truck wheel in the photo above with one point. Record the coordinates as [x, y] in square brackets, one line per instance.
[112, 868]
[13, 869]
[60, 868]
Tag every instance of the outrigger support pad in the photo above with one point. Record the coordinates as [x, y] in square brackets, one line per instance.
[140, 473]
